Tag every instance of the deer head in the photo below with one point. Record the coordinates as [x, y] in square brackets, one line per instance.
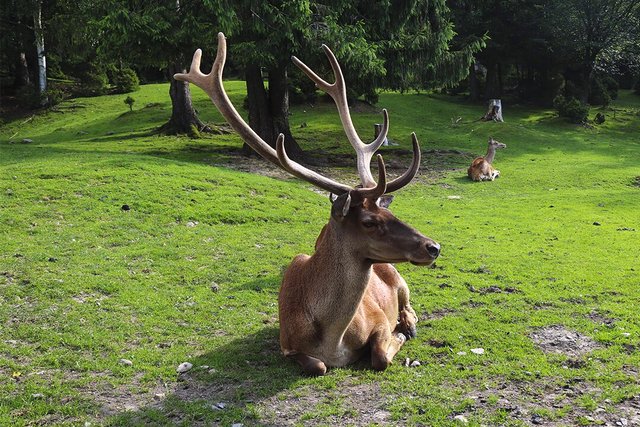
[495, 144]
[361, 210]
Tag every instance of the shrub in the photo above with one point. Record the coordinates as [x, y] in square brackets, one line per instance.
[125, 80]
[129, 101]
[93, 82]
[611, 85]
[571, 108]
[598, 94]
[54, 96]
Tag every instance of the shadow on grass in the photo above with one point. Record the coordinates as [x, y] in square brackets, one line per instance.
[223, 386]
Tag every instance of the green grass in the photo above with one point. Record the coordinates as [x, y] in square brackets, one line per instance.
[191, 272]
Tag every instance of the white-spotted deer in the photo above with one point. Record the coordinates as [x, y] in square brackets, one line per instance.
[481, 168]
[346, 298]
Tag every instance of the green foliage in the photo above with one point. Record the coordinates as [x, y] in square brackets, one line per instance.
[598, 94]
[93, 81]
[125, 80]
[130, 101]
[571, 108]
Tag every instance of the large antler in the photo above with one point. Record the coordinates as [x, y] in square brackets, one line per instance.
[364, 152]
[212, 85]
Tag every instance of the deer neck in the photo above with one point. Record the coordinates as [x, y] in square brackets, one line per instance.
[342, 275]
[491, 154]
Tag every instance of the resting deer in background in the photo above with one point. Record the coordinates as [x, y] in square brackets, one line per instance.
[346, 298]
[481, 168]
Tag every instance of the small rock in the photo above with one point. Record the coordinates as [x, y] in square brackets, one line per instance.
[237, 425]
[214, 287]
[461, 419]
[415, 363]
[27, 141]
[461, 353]
[589, 418]
[626, 334]
[184, 367]
[219, 406]
[537, 419]
[477, 350]
[454, 197]
[192, 223]
[52, 259]
[203, 367]
[596, 223]
[159, 396]
[37, 395]
[407, 362]
[600, 410]
[125, 362]
[125, 208]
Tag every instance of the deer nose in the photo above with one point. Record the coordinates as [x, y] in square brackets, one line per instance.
[433, 249]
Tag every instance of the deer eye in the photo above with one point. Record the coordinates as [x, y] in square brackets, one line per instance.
[369, 224]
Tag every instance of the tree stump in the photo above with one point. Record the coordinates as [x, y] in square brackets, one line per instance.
[377, 128]
[494, 112]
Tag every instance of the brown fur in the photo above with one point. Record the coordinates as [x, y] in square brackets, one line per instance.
[481, 168]
[347, 298]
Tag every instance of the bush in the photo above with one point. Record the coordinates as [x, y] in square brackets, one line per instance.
[571, 108]
[603, 90]
[125, 80]
[636, 88]
[130, 101]
[598, 93]
[611, 85]
[93, 82]
[54, 96]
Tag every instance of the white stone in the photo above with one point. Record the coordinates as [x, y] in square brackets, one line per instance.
[184, 367]
[461, 419]
[477, 350]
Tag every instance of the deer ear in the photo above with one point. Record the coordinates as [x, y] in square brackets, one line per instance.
[341, 206]
[384, 201]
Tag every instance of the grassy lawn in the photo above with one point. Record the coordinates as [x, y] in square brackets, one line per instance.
[99, 304]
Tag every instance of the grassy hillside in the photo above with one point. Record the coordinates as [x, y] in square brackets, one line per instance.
[100, 302]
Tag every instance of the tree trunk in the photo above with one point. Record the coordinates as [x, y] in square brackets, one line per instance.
[258, 108]
[474, 85]
[493, 89]
[184, 118]
[279, 107]
[42, 60]
[22, 71]
[269, 110]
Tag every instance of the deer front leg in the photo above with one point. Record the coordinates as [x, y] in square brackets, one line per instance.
[384, 345]
[407, 318]
[310, 365]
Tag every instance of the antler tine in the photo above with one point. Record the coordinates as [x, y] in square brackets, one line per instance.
[212, 85]
[338, 92]
[380, 188]
[308, 175]
[406, 177]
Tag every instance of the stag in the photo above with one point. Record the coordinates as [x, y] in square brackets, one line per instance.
[346, 299]
[481, 168]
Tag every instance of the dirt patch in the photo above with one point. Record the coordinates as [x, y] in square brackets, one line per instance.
[557, 339]
[551, 404]
[362, 405]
